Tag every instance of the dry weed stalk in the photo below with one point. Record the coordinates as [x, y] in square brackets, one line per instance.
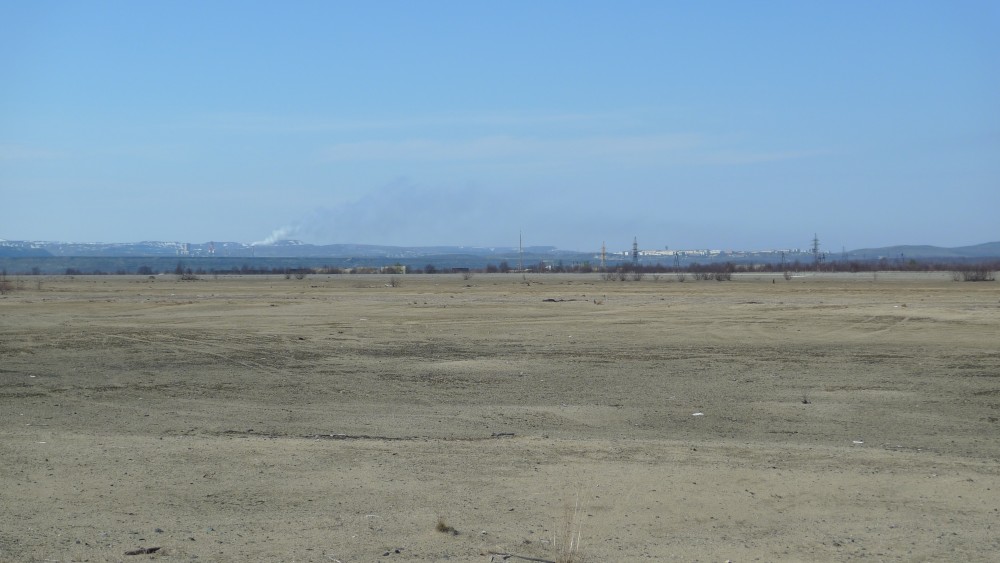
[569, 542]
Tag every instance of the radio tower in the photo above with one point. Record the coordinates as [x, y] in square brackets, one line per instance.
[604, 251]
[635, 252]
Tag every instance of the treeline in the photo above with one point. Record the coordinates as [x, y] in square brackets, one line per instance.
[853, 266]
[293, 267]
[199, 271]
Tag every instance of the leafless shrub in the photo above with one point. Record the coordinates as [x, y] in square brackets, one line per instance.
[5, 285]
[187, 276]
[979, 273]
[681, 277]
[394, 281]
[467, 275]
[787, 275]
[623, 274]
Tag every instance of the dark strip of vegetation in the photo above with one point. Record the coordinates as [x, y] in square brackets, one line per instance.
[964, 270]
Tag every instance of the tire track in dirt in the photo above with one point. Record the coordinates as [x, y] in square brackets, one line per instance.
[863, 329]
[186, 348]
[366, 437]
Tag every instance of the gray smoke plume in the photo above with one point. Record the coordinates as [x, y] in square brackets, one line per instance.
[404, 214]
[280, 234]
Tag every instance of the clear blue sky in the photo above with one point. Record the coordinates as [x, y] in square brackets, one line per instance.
[687, 124]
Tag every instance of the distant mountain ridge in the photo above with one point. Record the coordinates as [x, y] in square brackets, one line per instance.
[298, 249]
[280, 249]
[925, 252]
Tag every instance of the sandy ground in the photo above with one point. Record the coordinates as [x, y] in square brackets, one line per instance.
[341, 419]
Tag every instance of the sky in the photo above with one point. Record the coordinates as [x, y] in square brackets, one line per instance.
[726, 125]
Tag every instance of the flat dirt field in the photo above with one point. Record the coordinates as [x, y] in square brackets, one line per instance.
[559, 418]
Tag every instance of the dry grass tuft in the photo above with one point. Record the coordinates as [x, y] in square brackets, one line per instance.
[568, 540]
[444, 528]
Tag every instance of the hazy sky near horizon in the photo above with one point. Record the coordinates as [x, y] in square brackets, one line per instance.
[686, 124]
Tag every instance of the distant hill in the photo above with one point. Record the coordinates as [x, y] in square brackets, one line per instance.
[21, 250]
[57, 257]
[280, 249]
[926, 252]
[60, 257]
